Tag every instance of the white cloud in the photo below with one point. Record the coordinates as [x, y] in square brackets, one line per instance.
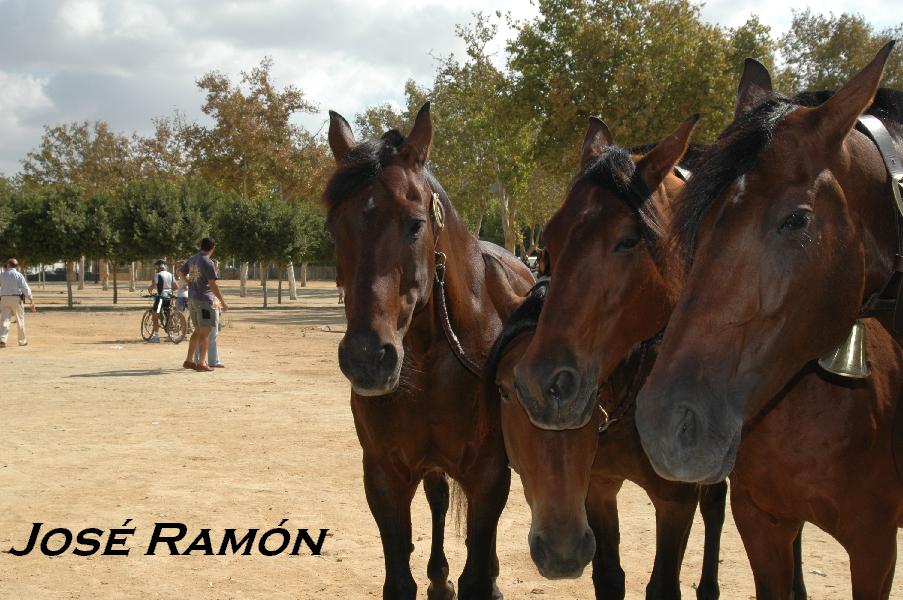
[20, 95]
[82, 17]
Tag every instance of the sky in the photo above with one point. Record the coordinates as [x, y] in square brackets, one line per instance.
[126, 62]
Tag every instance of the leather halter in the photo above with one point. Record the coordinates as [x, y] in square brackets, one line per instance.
[437, 217]
[888, 298]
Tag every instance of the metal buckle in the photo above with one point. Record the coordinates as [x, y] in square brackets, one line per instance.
[441, 260]
[606, 422]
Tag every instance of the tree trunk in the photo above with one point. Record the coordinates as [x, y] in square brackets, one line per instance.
[303, 274]
[70, 266]
[263, 274]
[105, 274]
[479, 220]
[243, 279]
[132, 276]
[81, 273]
[292, 285]
[42, 277]
[279, 294]
[263, 283]
[115, 284]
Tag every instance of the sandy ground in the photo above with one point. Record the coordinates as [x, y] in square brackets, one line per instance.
[98, 427]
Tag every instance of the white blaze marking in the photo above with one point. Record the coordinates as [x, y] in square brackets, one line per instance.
[740, 187]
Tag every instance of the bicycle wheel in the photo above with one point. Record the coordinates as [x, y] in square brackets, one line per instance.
[147, 324]
[176, 327]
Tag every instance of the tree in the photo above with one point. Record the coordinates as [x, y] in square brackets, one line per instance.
[482, 151]
[822, 52]
[166, 153]
[89, 155]
[253, 147]
[60, 231]
[643, 66]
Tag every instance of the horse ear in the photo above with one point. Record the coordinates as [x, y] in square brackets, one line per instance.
[837, 115]
[661, 160]
[341, 139]
[417, 144]
[754, 88]
[598, 137]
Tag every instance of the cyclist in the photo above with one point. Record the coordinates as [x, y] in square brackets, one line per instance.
[162, 286]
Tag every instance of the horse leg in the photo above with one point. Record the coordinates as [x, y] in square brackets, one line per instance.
[435, 486]
[673, 519]
[602, 514]
[873, 556]
[389, 496]
[487, 493]
[711, 504]
[799, 585]
[769, 546]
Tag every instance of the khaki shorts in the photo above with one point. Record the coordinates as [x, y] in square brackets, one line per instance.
[202, 313]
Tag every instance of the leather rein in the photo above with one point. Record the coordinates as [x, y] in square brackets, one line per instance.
[437, 217]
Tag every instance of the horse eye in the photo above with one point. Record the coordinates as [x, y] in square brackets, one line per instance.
[798, 219]
[503, 394]
[627, 243]
[416, 229]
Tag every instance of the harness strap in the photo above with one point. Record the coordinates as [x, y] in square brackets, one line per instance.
[643, 366]
[888, 298]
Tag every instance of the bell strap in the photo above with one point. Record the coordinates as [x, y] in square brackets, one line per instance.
[889, 296]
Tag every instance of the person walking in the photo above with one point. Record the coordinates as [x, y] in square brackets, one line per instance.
[13, 292]
[203, 291]
[161, 287]
[213, 341]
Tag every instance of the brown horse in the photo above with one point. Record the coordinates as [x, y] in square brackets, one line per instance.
[572, 477]
[789, 227]
[421, 299]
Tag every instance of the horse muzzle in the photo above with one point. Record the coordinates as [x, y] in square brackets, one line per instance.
[373, 367]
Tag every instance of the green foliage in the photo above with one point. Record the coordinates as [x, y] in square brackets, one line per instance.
[101, 236]
[150, 220]
[89, 155]
[643, 66]
[821, 52]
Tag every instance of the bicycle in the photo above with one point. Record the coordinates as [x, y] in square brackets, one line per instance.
[172, 321]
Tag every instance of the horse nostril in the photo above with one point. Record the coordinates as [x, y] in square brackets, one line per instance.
[380, 355]
[687, 429]
[564, 385]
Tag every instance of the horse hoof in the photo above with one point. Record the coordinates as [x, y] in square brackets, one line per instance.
[707, 593]
[496, 592]
[444, 592]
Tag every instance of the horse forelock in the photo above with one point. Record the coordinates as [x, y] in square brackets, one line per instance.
[615, 171]
[363, 164]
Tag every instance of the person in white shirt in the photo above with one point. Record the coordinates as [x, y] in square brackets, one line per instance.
[162, 286]
[13, 292]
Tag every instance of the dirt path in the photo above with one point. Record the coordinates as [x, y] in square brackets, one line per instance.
[98, 427]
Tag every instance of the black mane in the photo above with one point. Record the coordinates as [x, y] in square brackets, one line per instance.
[737, 150]
[523, 320]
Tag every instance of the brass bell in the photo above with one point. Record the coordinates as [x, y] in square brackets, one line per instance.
[849, 359]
